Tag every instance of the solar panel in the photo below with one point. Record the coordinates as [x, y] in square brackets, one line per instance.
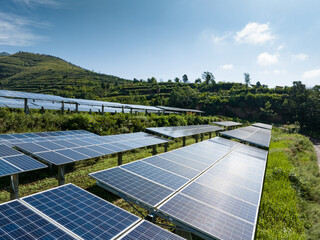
[254, 135]
[174, 109]
[227, 123]
[262, 125]
[82, 213]
[183, 131]
[17, 221]
[148, 231]
[220, 200]
[13, 162]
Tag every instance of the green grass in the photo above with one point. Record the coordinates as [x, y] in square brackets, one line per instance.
[290, 206]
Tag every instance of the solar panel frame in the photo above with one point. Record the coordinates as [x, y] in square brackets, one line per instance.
[227, 123]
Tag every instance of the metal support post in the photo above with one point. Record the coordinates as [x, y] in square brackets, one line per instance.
[131, 111]
[184, 234]
[146, 112]
[166, 147]
[77, 107]
[183, 141]
[61, 178]
[151, 217]
[119, 158]
[14, 186]
[201, 135]
[210, 134]
[102, 109]
[122, 109]
[197, 138]
[154, 150]
[26, 109]
[62, 107]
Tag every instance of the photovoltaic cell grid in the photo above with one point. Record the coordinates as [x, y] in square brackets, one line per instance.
[220, 200]
[224, 201]
[13, 162]
[183, 131]
[11, 139]
[60, 152]
[262, 125]
[153, 179]
[227, 123]
[254, 135]
[69, 208]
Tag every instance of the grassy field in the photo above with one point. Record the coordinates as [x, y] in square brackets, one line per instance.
[290, 206]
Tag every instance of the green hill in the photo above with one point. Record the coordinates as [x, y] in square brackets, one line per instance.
[47, 74]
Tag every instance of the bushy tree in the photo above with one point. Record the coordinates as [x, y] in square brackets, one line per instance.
[185, 78]
[208, 78]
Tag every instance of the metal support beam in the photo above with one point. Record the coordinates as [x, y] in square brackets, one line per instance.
[154, 150]
[26, 109]
[131, 111]
[166, 145]
[197, 138]
[151, 217]
[183, 141]
[14, 186]
[184, 234]
[201, 136]
[119, 158]
[102, 109]
[77, 107]
[146, 112]
[122, 109]
[210, 135]
[61, 178]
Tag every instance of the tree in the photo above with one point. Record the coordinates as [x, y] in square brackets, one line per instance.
[185, 78]
[247, 79]
[169, 81]
[177, 80]
[152, 80]
[268, 112]
[208, 78]
[198, 81]
[258, 84]
[135, 80]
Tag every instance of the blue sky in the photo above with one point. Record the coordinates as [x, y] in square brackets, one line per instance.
[277, 42]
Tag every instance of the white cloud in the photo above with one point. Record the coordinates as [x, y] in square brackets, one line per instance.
[227, 66]
[280, 71]
[217, 39]
[254, 33]
[280, 47]
[300, 57]
[266, 59]
[15, 30]
[315, 73]
[51, 3]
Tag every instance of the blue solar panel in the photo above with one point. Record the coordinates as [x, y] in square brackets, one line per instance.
[72, 154]
[82, 213]
[133, 185]
[148, 231]
[31, 147]
[7, 169]
[156, 174]
[172, 167]
[184, 161]
[53, 157]
[50, 145]
[223, 202]
[19, 222]
[24, 162]
[86, 151]
[7, 151]
[209, 220]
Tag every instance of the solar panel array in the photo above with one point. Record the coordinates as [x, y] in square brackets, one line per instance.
[15, 99]
[12, 139]
[183, 131]
[213, 186]
[254, 135]
[13, 162]
[227, 123]
[68, 212]
[81, 147]
[262, 125]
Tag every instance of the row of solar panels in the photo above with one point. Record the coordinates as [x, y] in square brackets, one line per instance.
[14, 99]
[213, 187]
[64, 147]
[68, 212]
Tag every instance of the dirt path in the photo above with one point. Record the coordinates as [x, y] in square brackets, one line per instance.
[316, 145]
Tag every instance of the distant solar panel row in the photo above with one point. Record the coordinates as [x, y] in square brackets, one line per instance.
[213, 186]
[68, 212]
[254, 135]
[60, 152]
[13, 162]
[227, 123]
[12, 139]
[183, 131]
[262, 125]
